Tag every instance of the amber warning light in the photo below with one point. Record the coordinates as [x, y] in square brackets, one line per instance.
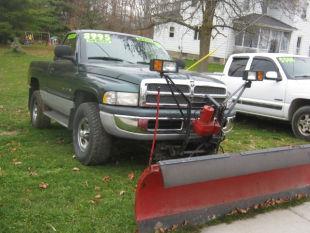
[163, 66]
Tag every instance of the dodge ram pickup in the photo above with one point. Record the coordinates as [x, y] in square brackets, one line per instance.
[284, 93]
[100, 85]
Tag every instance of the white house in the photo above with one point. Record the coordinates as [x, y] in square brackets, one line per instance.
[270, 32]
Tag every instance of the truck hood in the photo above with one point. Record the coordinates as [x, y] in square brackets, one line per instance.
[135, 73]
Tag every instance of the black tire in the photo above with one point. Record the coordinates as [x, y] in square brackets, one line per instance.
[301, 123]
[37, 117]
[92, 145]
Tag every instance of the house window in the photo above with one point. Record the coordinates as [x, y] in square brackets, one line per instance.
[239, 38]
[251, 38]
[264, 39]
[285, 41]
[274, 43]
[197, 33]
[298, 45]
[171, 32]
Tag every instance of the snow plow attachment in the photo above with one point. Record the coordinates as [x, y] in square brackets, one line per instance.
[198, 189]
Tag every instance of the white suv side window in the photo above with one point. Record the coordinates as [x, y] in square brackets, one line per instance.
[263, 64]
[238, 66]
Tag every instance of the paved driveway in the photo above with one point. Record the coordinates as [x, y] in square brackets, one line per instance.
[292, 220]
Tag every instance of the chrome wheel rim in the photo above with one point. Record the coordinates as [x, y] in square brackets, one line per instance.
[34, 111]
[304, 124]
[83, 134]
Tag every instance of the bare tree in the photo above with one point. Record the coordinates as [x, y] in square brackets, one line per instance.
[213, 15]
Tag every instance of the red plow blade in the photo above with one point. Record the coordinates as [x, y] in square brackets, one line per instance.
[198, 189]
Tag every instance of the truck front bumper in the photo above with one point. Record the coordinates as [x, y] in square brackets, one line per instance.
[136, 123]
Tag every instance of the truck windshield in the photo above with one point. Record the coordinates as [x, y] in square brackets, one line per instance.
[295, 67]
[122, 48]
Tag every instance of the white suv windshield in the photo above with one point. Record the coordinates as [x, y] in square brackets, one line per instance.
[115, 47]
[296, 67]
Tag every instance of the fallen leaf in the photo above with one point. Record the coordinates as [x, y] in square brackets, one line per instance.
[97, 188]
[106, 179]
[233, 212]
[1, 172]
[242, 211]
[158, 226]
[13, 149]
[51, 226]
[174, 227]
[8, 133]
[60, 141]
[33, 173]
[16, 162]
[121, 193]
[43, 185]
[131, 176]
[75, 169]
[98, 196]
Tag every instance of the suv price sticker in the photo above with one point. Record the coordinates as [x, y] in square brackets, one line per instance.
[98, 38]
[286, 60]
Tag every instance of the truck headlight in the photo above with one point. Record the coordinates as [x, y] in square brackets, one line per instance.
[120, 98]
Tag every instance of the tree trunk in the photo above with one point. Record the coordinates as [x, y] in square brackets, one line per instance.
[205, 39]
[206, 34]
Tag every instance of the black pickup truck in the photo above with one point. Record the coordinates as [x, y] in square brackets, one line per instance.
[100, 86]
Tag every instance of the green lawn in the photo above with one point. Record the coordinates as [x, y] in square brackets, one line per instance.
[212, 67]
[77, 201]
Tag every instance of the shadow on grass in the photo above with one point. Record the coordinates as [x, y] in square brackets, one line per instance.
[261, 123]
[123, 150]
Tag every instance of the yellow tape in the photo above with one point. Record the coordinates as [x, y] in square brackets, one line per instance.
[201, 59]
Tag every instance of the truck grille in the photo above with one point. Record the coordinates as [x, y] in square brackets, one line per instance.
[195, 91]
[210, 90]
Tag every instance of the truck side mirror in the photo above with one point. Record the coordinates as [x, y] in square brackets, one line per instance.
[253, 75]
[64, 52]
[273, 75]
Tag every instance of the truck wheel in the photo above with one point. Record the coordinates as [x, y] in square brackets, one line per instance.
[92, 145]
[301, 123]
[38, 119]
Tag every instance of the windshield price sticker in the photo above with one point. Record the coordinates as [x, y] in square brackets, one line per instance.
[148, 40]
[98, 38]
[72, 36]
[286, 59]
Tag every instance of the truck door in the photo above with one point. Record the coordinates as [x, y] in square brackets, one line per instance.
[62, 74]
[265, 97]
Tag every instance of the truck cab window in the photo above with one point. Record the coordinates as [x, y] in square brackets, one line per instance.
[237, 67]
[71, 40]
[264, 65]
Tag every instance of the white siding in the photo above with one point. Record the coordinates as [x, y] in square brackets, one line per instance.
[303, 30]
[183, 40]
